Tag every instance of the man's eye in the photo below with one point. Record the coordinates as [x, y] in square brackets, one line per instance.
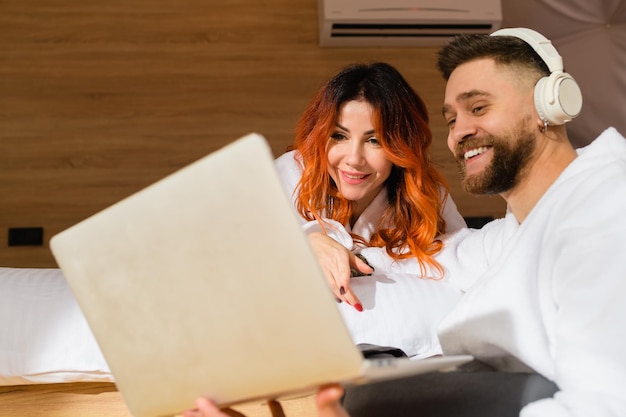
[478, 109]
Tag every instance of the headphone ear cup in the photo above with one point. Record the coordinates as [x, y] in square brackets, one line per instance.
[558, 98]
[541, 99]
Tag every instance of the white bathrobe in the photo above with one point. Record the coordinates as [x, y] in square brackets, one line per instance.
[403, 315]
[549, 294]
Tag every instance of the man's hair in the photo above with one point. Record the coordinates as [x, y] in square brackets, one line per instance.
[506, 50]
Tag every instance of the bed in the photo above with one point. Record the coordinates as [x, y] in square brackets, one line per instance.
[51, 364]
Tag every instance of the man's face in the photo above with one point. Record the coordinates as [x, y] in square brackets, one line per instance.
[489, 115]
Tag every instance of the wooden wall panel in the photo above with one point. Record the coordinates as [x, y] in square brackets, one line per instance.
[99, 99]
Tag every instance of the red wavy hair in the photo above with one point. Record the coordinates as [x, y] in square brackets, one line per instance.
[415, 189]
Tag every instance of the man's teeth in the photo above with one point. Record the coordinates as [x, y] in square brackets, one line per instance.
[473, 152]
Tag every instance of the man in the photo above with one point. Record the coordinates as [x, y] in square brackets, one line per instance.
[545, 286]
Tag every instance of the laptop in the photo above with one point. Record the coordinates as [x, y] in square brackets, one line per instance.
[203, 284]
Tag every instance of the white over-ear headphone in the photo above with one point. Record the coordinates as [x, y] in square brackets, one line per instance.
[558, 98]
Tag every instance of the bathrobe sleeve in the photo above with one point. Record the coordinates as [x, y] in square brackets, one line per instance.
[289, 172]
[450, 213]
[468, 253]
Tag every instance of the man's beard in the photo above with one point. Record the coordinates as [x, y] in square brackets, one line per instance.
[510, 155]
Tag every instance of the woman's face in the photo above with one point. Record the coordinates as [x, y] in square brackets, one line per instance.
[356, 161]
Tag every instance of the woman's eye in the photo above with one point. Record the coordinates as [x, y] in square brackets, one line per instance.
[337, 137]
[373, 141]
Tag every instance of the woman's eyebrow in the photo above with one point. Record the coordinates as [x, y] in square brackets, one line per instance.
[341, 127]
[369, 132]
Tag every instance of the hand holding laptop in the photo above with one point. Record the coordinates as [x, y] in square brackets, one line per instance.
[327, 403]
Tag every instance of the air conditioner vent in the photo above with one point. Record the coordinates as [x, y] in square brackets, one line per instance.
[405, 22]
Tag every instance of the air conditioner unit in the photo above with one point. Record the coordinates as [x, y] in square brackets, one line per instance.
[403, 22]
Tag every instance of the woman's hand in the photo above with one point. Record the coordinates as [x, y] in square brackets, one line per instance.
[327, 403]
[336, 261]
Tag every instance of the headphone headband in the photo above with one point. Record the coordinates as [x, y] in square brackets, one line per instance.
[539, 43]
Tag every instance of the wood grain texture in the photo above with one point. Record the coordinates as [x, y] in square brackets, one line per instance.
[62, 400]
[99, 99]
[92, 399]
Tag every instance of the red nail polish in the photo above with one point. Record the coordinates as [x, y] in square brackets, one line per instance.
[358, 307]
[342, 290]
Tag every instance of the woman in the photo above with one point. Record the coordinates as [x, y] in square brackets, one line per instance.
[361, 178]
[360, 175]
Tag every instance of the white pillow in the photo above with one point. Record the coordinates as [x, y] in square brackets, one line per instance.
[44, 337]
[400, 310]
